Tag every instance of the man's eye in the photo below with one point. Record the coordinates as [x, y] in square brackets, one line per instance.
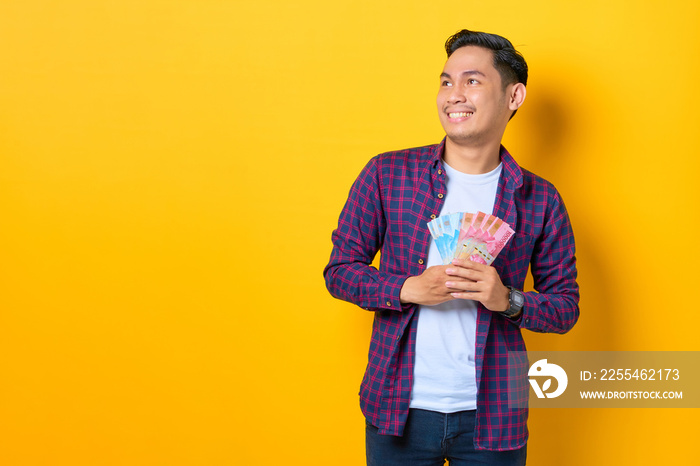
[447, 83]
[473, 81]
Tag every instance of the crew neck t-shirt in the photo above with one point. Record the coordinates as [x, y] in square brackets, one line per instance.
[444, 371]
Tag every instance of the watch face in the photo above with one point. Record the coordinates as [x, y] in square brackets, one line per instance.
[518, 298]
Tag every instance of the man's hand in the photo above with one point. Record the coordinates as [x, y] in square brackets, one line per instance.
[462, 279]
[429, 288]
[471, 280]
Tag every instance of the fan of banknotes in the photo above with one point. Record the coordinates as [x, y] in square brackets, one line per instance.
[478, 237]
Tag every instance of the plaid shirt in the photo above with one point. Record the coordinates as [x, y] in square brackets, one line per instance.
[391, 201]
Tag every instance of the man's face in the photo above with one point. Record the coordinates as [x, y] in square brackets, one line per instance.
[472, 104]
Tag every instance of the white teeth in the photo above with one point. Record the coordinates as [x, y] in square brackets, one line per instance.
[460, 114]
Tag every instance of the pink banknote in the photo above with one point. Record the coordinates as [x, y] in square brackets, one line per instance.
[475, 236]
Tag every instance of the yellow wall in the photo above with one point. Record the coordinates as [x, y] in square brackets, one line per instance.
[171, 172]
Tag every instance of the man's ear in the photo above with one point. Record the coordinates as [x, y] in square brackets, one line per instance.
[516, 96]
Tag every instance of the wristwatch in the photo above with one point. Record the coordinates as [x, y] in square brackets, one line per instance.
[516, 298]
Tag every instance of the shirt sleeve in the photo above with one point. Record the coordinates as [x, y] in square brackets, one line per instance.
[360, 234]
[553, 307]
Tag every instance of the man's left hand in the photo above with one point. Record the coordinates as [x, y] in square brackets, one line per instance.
[483, 284]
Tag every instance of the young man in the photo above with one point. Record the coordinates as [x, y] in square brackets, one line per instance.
[436, 381]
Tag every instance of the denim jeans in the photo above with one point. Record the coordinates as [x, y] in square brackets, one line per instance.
[430, 438]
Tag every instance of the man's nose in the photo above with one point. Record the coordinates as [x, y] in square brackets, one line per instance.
[456, 95]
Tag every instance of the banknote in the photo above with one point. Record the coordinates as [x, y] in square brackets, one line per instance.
[478, 236]
[445, 231]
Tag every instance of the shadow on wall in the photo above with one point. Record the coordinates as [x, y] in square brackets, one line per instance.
[552, 137]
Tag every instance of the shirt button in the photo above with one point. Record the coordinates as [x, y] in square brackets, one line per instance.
[433, 216]
[420, 261]
[388, 303]
[440, 196]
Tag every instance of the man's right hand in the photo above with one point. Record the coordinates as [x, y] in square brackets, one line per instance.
[429, 287]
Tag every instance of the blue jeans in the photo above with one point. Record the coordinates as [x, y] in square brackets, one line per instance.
[430, 438]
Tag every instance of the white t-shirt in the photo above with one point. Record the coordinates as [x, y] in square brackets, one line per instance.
[444, 373]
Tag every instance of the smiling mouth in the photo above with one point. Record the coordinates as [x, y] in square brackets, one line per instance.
[460, 114]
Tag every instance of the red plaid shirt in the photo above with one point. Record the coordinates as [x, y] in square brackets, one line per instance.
[387, 210]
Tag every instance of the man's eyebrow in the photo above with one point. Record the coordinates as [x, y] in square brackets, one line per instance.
[463, 73]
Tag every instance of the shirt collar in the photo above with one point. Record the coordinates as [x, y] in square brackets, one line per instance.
[512, 172]
[436, 154]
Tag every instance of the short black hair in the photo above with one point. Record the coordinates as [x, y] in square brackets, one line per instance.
[509, 62]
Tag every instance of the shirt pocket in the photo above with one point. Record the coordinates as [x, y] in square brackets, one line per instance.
[513, 262]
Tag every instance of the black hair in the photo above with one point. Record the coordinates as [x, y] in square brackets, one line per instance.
[509, 62]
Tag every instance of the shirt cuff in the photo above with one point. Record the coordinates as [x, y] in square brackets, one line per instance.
[389, 296]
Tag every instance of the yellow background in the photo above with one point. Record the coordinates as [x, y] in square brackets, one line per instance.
[171, 172]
